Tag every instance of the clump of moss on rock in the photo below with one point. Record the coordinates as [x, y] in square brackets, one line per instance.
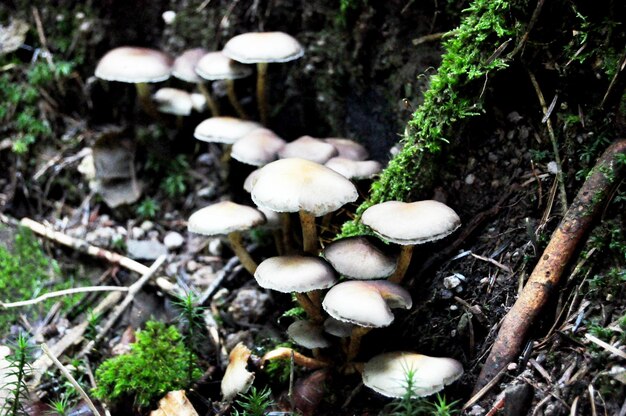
[157, 364]
[453, 95]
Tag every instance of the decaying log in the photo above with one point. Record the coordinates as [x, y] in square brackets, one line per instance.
[547, 272]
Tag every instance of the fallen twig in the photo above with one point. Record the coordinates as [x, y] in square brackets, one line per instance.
[608, 347]
[547, 272]
[64, 292]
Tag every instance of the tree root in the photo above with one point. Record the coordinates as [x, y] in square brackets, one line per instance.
[547, 272]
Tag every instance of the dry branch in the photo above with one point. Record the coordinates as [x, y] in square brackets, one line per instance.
[556, 256]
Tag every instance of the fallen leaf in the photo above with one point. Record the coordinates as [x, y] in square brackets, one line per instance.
[175, 403]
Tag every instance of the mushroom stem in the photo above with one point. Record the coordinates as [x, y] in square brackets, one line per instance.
[232, 97]
[278, 242]
[403, 264]
[143, 96]
[244, 257]
[309, 233]
[285, 222]
[355, 341]
[316, 298]
[215, 110]
[261, 94]
[284, 353]
[312, 311]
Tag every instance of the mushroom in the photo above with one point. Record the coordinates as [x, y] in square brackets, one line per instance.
[388, 373]
[354, 169]
[262, 48]
[408, 224]
[348, 149]
[228, 218]
[366, 303]
[216, 66]
[224, 129]
[358, 258]
[173, 101]
[185, 70]
[257, 148]
[309, 148]
[308, 334]
[298, 185]
[299, 275]
[138, 66]
[338, 328]
[237, 379]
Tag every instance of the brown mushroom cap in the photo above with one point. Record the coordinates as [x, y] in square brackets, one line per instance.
[215, 66]
[292, 185]
[354, 169]
[134, 65]
[255, 47]
[257, 148]
[387, 373]
[298, 274]
[185, 65]
[348, 149]
[358, 258]
[224, 218]
[366, 302]
[413, 222]
[308, 334]
[224, 129]
[309, 148]
[173, 101]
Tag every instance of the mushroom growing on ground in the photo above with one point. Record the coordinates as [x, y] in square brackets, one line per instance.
[257, 148]
[348, 149]
[358, 258]
[216, 66]
[354, 169]
[298, 185]
[408, 224]
[185, 70]
[387, 373]
[308, 334]
[262, 48]
[173, 101]
[230, 219]
[309, 148]
[138, 66]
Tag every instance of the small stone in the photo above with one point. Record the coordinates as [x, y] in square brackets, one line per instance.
[204, 276]
[146, 250]
[476, 410]
[147, 225]
[137, 233]
[470, 179]
[215, 247]
[168, 17]
[249, 305]
[153, 235]
[553, 168]
[451, 282]
[192, 266]
[173, 240]
[511, 367]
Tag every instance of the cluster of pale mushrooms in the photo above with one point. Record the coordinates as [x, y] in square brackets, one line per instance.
[346, 288]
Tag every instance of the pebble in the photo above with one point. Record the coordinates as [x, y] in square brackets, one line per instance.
[192, 266]
[173, 240]
[470, 179]
[102, 236]
[553, 168]
[215, 247]
[137, 233]
[145, 249]
[147, 225]
[451, 282]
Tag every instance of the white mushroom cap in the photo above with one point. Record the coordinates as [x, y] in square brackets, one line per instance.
[134, 65]
[198, 102]
[354, 169]
[224, 218]
[387, 373]
[236, 378]
[299, 274]
[408, 223]
[309, 148]
[255, 47]
[224, 129]
[308, 334]
[173, 101]
[358, 258]
[215, 65]
[250, 180]
[338, 328]
[366, 302]
[185, 65]
[348, 149]
[291, 185]
[257, 148]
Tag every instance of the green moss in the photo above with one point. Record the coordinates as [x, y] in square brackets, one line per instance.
[25, 272]
[453, 95]
[156, 365]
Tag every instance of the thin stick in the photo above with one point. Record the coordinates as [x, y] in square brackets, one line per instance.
[119, 309]
[555, 146]
[71, 379]
[547, 273]
[606, 346]
[65, 292]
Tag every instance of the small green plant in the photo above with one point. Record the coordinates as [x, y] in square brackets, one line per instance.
[93, 319]
[59, 407]
[18, 370]
[191, 318]
[157, 364]
[148, 208]
[175, 183]
[254, 402]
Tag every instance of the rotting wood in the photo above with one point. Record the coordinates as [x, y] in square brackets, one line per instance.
[556, 256]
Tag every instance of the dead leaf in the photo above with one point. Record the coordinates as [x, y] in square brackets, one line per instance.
[175, 403]
[237, 379]
[12, 36]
